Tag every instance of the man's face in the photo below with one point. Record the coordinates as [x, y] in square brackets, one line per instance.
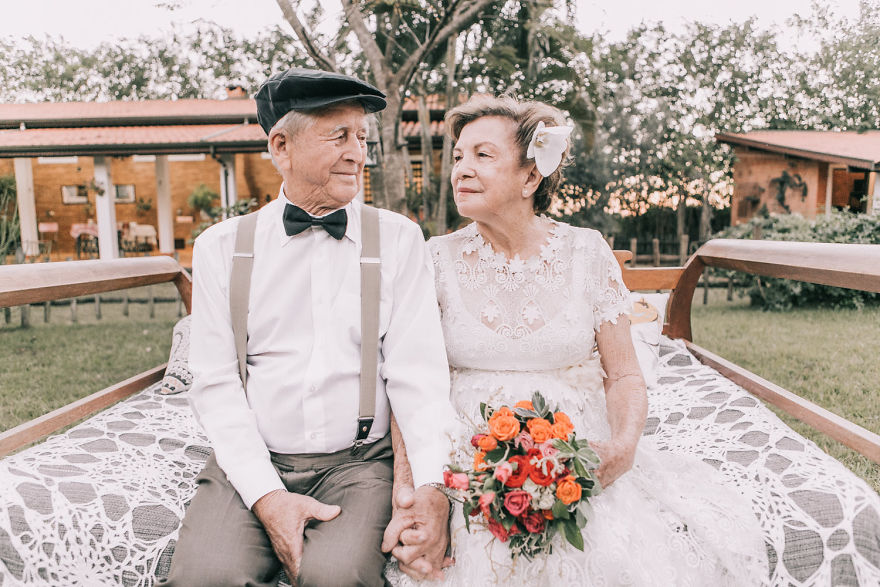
[326, 159]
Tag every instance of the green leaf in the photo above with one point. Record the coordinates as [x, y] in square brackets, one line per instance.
[579, 468]
[524, 413]
[573, 534]
[579, 518]
[484, 411]
[497, 455]
[559, 510]
[539, 404]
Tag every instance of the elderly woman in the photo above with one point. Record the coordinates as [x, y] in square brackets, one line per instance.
[524, 300]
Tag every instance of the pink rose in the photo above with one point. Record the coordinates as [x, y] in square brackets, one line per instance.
[503, 472]
[497, 529]
[517, 502]
[456, 480]
[475, 440]
[524, 440]
[485, 501]
[548, 450]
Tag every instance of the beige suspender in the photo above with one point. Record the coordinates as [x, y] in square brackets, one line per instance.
[239, 292]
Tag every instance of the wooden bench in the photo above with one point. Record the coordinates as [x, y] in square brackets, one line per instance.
[758, 453]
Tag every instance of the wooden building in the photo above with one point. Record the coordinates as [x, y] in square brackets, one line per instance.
[117, 169]
[804, 172]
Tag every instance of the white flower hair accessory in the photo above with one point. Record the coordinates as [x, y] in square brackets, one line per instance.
[547, 146]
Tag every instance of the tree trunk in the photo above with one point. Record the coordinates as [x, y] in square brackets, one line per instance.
[393, 172]
[446, 162]
[705, 219]
[428, 196]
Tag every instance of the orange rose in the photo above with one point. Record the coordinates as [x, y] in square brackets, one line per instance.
[487, 443]
[503, 427]
[540, 430]
[562, 426]
[568, 491]
[548, 515]
[524, 404]
[501, 412]
[480, 461]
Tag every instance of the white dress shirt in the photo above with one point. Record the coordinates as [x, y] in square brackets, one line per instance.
[304, 348]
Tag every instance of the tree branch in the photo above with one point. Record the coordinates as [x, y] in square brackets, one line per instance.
[368, 44]
[323, 61]
[458, 19]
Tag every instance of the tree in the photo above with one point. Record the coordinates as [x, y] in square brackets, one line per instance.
[387, 34]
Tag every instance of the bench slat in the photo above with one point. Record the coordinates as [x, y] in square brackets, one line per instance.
[42, 282]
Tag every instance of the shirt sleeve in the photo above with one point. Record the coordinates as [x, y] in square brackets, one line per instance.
[217, 396]
[611, 298]
[415, 368]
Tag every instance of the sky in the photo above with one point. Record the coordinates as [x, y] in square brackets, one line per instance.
[86, 23]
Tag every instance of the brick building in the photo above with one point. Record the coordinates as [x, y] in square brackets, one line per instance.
[806, 172]
[124, 170]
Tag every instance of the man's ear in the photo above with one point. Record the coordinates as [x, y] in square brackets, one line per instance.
[532, 181]
[279, 148]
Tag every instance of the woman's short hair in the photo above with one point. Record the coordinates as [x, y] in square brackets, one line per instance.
[526, 115]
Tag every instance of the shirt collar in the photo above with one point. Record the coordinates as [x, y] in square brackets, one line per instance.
[352, 210]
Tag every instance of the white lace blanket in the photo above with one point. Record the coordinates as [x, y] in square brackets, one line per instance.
[101, 504]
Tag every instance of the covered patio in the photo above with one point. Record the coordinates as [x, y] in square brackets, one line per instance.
[101, 153]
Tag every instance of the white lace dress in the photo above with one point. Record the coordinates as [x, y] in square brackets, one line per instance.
[516, 326]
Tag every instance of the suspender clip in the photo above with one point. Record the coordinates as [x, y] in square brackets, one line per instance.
[363, 431]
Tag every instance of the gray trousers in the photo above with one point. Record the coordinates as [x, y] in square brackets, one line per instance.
[222, 542]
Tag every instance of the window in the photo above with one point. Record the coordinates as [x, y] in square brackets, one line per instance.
[124, 194]
[74, 194]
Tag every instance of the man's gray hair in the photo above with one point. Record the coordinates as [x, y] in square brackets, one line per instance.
[296, 121]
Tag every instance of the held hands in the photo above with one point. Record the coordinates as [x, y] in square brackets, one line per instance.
[284, 516]
[616, 459]
[418, 533]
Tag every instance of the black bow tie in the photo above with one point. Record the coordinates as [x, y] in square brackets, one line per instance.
[297, 220]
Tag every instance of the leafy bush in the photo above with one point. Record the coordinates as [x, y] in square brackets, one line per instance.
[782, 294]
[10, 230]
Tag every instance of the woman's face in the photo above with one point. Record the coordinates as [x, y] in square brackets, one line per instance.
[487, 177]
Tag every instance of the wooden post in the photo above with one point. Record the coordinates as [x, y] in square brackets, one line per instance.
[98, 307]
[46, 307]
[125, 303]
[730, 288]
[683, 249]
[26, 316]
[632, 247]
[7, 314]
[655, 249]
[73, 317]
[151, 301]
[27, 211]
[706, 285]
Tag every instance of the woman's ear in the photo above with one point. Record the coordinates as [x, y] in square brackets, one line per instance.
[532, 181]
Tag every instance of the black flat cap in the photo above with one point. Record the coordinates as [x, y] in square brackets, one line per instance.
[306, 89]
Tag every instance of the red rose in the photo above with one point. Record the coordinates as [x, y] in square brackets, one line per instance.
[534, 522]
[475, 440]
[497, 529]
[516, 502]
[537, 475]
[521, 471]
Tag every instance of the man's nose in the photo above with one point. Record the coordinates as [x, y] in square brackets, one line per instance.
[354, 150]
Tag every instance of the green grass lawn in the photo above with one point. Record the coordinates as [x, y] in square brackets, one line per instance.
[52, 364]
[829, 357]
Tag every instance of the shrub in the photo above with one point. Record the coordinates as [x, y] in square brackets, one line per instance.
[782, 294]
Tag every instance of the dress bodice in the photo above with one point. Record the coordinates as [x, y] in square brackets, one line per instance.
[537, 314]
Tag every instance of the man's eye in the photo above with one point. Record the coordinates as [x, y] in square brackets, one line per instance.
[456, 158]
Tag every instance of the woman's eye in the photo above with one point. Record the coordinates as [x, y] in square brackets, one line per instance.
[482, 155]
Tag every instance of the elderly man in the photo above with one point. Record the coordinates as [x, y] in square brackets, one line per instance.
[299, 477]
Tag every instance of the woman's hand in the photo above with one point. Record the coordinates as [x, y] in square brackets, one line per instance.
[616, 459]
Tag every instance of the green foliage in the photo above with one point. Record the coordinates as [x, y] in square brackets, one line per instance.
[783, 294]
[202, 198]
[217, 213]
[10, 229]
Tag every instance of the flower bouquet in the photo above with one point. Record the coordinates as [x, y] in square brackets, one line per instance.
[531, 477]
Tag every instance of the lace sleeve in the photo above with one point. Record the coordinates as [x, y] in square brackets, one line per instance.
[434, 246]
[610, 296]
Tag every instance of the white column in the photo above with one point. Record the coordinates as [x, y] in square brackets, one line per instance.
[27, 208]
[228, 191]
[105, 209]
[163, 205]
[873, 194]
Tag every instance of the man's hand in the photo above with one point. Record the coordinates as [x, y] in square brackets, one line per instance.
[284, 515]
[418, 533]
[616, 459]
